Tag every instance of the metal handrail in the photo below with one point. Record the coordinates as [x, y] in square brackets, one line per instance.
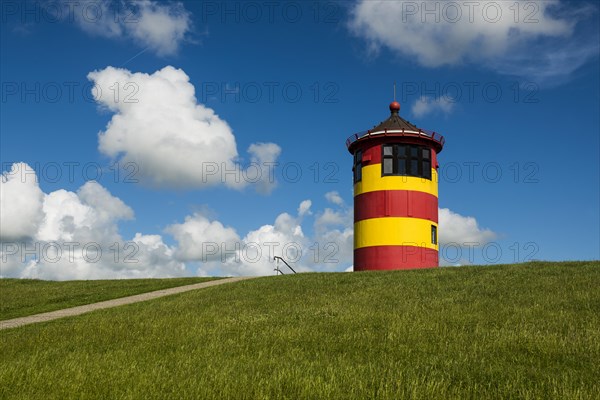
[430, 134]
[277, 267]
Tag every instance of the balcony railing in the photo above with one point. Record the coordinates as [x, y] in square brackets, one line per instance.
[396, 132]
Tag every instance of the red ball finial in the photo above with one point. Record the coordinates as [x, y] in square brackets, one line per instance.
[394, 106]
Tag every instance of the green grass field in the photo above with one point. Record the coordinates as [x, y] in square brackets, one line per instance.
[22, 297]
[521, 332]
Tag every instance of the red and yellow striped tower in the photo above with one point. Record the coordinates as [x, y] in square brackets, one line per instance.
[395, 195]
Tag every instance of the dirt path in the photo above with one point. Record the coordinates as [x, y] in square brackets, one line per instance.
[68, 312]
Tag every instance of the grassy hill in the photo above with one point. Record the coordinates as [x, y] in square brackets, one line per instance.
[517, 331]
[22, 297]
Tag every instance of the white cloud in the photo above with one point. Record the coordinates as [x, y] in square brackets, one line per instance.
[329, 218]
[334, 197]
[334, 235]
[154, 258]
[220, 250]
[202, 239]
[77, 237]
[461, 230]
[106, 206]
[160, 27]
[454, 263]
[174, 140]
[499, 35]
[304, 208]
[20, 203]
[284, 238]
[67, 215]
[263, 159]
[427, 105]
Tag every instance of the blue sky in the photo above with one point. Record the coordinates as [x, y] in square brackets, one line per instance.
[182, 87]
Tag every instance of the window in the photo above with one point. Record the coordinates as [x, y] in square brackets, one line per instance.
[357, 166]
[388, 166]
[426, 162]
[433, 234]
[411, 160]
[388, 160]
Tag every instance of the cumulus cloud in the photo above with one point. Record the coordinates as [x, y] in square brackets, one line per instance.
[160, 27]
[334, 233]
[74, 235]
[202, 239]
[89, 212]
[263, 159]
[499, 35]
[458, 229]
[334, 197]
[304, 207]
[220, 250]
[175, 141]
[21, 202]
[284, 238]
[427, 105]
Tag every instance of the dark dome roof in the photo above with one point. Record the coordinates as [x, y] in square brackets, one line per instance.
[395, 121]
[395, 127]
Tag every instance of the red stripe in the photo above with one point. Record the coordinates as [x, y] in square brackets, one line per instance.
[396, 203]
[394, 257]
[372, 155]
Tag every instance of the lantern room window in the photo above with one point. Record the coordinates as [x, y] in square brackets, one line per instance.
[357, 169]
[406, 160]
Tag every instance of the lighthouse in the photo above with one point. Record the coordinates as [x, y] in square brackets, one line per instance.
[395, 195]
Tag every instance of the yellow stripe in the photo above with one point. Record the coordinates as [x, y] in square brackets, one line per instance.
[373, 181]
[393, 231]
